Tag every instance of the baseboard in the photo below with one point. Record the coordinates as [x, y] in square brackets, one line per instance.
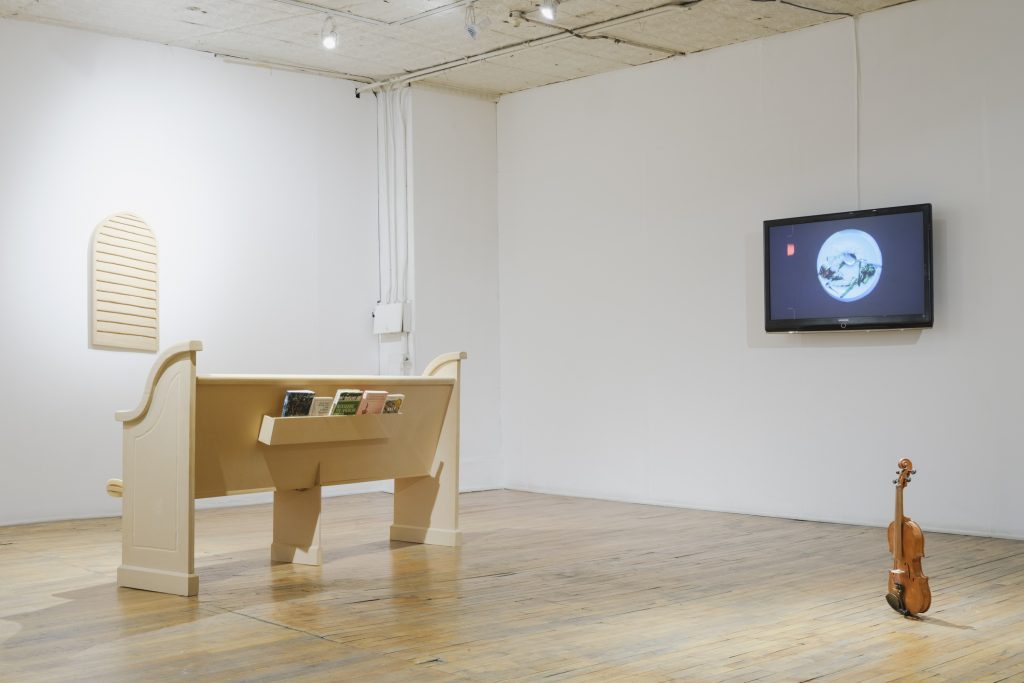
[572, 493]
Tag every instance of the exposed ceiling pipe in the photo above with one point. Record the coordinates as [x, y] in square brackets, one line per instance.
[563, 34]
[625, 41]
[281, 66]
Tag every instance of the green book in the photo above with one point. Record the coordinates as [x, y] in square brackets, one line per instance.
[346, 401]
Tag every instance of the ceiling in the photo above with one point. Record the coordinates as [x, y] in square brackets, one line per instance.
[382, 41]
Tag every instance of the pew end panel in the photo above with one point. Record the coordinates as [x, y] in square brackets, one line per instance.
[427, 505]
[158, 492]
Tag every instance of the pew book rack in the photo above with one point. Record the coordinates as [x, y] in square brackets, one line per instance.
[201, 436]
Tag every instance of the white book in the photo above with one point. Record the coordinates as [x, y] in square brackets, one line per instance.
[321, 406]
[373, 402]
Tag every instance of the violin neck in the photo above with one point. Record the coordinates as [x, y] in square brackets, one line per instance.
[897, 541]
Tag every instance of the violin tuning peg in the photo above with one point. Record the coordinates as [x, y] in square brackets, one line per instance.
[913, 471]
[895, 481]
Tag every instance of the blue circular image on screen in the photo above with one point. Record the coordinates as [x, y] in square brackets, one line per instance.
[849, 265]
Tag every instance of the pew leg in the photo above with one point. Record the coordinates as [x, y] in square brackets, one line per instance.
[297, 527]
[427, 510]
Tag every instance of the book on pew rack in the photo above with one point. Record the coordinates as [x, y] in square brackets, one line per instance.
[321, 406]
[373, 402]
[346, 401]
[393, 404]
[296, 402]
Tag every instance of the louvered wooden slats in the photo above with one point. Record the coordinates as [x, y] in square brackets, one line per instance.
[124, 285]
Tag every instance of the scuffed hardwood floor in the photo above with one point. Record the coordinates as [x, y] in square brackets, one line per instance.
[545, 587]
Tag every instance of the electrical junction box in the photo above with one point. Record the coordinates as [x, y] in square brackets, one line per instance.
[390, 318]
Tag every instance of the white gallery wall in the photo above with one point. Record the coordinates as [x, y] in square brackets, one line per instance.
[594, 245]
[455, 225]
[261, 189]
[634, 364]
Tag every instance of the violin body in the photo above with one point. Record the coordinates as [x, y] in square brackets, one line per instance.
[915, 593]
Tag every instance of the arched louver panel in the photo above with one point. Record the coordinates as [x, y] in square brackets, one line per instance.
[124, 284]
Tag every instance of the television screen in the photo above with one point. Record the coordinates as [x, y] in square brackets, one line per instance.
[846, 271]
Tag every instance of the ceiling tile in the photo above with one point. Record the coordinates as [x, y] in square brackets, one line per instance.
[490, 77]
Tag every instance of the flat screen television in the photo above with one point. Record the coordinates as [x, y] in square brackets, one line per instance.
[859, 270]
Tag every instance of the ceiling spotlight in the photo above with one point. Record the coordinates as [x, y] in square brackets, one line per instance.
[548, 9]
[329, 33]
[474, 27]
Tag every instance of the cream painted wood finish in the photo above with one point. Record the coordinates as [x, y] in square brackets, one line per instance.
[125, 303]
[207, 436]
[158, 489]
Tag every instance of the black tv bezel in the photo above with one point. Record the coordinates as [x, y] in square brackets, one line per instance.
[879, 322]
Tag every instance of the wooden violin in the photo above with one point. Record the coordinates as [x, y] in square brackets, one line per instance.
[909, 593]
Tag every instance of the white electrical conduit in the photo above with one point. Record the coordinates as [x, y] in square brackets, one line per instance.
[394, 217]
[394, 165]
[281, 66]
[429, 71]
[370, 20]
[625, 41]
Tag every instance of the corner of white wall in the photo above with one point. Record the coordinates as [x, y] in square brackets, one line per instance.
[456, 261]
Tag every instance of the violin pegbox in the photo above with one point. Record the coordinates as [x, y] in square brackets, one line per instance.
[906, 469]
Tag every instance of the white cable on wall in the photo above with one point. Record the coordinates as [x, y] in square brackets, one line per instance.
[856, 66]
[394, 216]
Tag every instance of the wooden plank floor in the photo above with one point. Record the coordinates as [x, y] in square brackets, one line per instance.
[545, 587]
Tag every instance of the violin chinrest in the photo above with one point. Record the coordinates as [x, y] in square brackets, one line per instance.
[896, 602]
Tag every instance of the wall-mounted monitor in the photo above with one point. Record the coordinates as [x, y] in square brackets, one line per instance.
[857, 270]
